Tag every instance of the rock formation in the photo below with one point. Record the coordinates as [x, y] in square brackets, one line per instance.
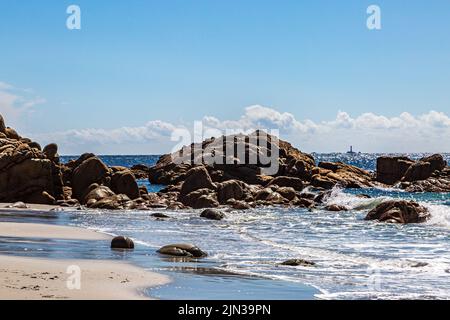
[399, 211]
[428, 174]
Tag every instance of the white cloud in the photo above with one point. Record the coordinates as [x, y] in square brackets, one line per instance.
[368, 132]
[16, 102]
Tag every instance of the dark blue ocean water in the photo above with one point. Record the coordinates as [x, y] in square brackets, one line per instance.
[355, 259]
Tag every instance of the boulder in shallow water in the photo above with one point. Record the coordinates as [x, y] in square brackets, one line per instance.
[183, 250]
[336, 208]
[298, 262]
[160, 215]
[399, 211]
[212, 214]
[122, 242]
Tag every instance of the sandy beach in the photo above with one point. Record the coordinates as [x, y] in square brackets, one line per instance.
[36, 278]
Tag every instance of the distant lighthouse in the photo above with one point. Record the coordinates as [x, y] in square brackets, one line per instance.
[351, 150]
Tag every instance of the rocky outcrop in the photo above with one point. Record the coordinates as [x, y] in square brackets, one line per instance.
[428, 174]
[399, 211]
[235, 183]
[172, 168]
[26, 173]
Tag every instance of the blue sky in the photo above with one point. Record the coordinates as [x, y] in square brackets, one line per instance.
[178, 61]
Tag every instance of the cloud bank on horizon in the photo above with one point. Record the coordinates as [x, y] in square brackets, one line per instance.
[368, 132]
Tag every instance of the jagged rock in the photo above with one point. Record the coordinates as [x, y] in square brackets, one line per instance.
[121, 242]
[399, 211]
[92, 170]
[183, 250]
[197, 178]
[231, 189]
[392, 169]
[298, 262]
[292, 182]
[212, 214]
[125, 183]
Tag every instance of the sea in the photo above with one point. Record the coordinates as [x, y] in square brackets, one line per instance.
[354, 258]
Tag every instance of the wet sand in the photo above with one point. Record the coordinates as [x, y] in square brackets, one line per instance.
[36, 278]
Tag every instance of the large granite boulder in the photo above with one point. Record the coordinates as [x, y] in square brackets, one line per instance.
[428, 174]
[197, 178]
[92, 170]
[399, 211]
[291, 182]
[123, 182]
